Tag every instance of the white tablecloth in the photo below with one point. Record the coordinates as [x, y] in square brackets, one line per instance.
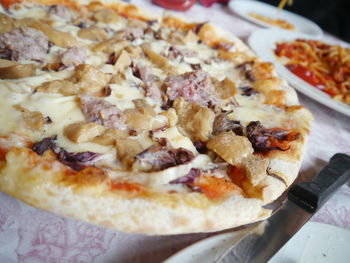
[31, 235]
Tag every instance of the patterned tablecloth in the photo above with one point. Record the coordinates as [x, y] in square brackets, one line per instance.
[31, 235]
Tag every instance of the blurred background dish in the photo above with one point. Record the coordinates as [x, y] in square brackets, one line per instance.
[264, 42]
[266, 15]
[314, 243]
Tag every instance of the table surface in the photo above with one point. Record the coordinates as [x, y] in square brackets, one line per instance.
[31, 235]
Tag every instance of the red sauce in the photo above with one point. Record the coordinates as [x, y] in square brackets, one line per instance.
[126, 186]
[308, 76]
[178, 5]
[3, 152]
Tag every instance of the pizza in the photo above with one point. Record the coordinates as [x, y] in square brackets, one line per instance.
[140, 123]
[324, 66]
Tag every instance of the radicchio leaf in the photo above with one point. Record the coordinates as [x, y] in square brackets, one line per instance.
[77, 160]
[160, 158]
[44, 145]
[259, 136]
[223, 124]
[189, 178]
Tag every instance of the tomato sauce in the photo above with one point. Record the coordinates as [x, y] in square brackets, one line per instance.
[178, 5]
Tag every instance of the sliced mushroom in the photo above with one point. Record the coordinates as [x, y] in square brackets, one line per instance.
[59, 38]
[122, 62]
[33, 120]
[89, 78]
[83, 132]
[155, 58]
[110, 136]
[93, 33]
[127, 149]
[230, 147]
[226, 88]
[64, 87]
[195, 119]
[106, 16]
[6, 23]
[113, 44]
[17, 71]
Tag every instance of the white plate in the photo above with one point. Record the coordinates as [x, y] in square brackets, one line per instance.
[314, 243]
[244, 7]
[263, 42]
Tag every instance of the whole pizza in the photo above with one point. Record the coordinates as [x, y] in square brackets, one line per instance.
[141, 123]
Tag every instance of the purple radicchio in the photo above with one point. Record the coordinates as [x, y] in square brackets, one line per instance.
[189, 180]
[160, 157]
[75, 160]
[264, 140]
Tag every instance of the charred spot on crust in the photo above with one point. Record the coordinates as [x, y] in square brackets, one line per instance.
[268, 171]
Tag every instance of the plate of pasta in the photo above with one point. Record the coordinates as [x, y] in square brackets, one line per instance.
[269, 16]
[317, 69]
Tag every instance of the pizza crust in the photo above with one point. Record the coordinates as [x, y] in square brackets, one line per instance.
[89, 201]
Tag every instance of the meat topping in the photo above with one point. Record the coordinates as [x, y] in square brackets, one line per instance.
[157, 158]
[102, 112]
[193, 86]
[61, 11]
[73, 56]
[150, 81]
[25, 43]
[188, 179]
[132, 33]
[176, 52]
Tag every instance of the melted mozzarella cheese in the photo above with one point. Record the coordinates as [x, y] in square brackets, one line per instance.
[123, 94]
[64, 110]
[176, 139]
[9, 117]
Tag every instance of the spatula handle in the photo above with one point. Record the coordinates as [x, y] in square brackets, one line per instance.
[312, 195]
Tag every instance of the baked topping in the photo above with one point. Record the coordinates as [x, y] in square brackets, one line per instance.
[73, 56]
[75, 160]
[141, 96]
[102, 112]
[61, 11]
[223, 124]
[25, 43]
[157, 158]
[264, 140]
[193, 87]
[150, 81]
